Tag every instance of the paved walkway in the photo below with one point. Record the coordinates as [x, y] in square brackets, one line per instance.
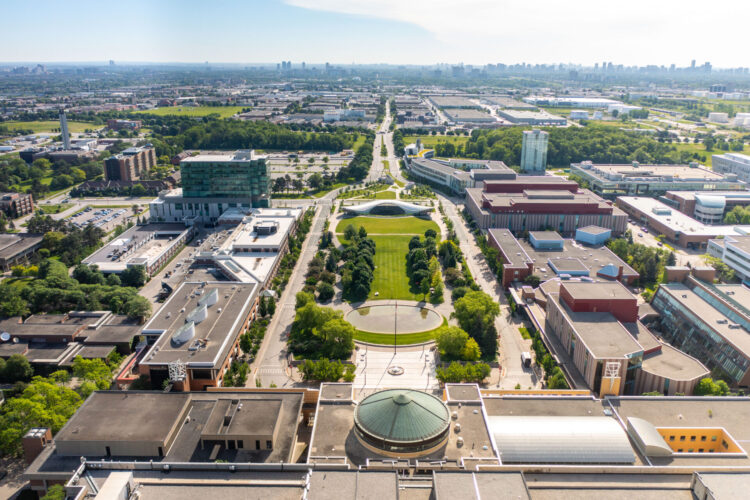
[418, 366]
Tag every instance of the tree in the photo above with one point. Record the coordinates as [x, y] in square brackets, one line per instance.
[11, 302]
[476, 313]
[271, 305]
[93, 370]
[325, 291]
[134, 276]
[532, 280]
[349, 232]
[137, 307]
[17, 369]
[362, 232]
[450, 341]
[89, 275]
[262, 307]
[113, 280]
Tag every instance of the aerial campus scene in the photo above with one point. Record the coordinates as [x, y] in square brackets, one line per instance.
[329, 249]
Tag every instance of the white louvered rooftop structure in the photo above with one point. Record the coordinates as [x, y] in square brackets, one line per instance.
[560, 440]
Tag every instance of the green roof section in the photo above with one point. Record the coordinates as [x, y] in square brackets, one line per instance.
[402, 416]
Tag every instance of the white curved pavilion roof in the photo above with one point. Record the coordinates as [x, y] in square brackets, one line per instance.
[408, 208]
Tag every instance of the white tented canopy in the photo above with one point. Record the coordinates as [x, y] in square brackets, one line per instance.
[560, 440]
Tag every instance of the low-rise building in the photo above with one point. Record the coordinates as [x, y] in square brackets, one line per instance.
[734, 251]
[535, 118]
[732, 163]
[16, 249]
[197, 333]
[597, 325]
[710, 322]
[677, 227]
[653, 180]
[708, 207]
[149, 246]
[538, 203]
[16, 204]
[554, 256]
[456, 174]
[119, 124]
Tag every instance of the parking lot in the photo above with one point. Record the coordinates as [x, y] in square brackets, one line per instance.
[104, 218]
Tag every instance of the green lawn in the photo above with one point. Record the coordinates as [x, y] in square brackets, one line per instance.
[429, 141]
[50, 126]
[391, 236]
[359, 142]
[381, 195]
[389, 225]
[701, 150]
[54, 209]
[223, 111]
[324, 192]
[401, 339]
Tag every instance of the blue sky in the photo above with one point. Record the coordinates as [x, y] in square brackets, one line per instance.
[376, 31]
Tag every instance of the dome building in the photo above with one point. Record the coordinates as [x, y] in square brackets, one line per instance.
[402, 422]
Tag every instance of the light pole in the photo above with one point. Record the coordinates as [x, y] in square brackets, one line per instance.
[395, 326]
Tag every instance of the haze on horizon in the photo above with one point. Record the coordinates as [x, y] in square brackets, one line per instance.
[419, 32]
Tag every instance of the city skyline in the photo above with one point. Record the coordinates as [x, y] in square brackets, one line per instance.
[475, 32]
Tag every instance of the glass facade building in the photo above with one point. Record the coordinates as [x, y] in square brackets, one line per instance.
[238, 176]
[534, 151]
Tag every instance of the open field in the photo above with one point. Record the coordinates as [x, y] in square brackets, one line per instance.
[50, 126]
[701, 150]
[429, 141]
[389, 225]
[223, 111]
[54, 209]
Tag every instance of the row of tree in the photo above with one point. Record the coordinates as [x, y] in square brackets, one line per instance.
[359, 265]
[423, 267]
[647, 261]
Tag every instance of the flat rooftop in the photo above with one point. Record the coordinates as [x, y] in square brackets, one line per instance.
[602, 333]
[546, 235]
[691, 195]
[512, 251]
[593, 258]
[599, 290]
[238, 156]
[219, 329]
[716, 320]
[674, 364]
[148, 242]
[594, 230]
[12, 244]
[647, 173]
[454, 485]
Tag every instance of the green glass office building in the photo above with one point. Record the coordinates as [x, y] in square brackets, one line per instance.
[242, 175]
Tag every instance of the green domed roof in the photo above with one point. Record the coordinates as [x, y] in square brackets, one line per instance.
[402, 416]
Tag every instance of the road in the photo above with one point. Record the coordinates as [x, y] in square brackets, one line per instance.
[270, 365]
[511, 343]
[376, 169]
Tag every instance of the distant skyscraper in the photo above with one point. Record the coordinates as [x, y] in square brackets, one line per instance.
[64, 130]
[534, 151]
[692, 64]
[111, 62]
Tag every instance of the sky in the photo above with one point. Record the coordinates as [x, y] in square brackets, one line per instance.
[420, 32]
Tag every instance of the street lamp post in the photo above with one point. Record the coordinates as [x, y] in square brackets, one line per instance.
[395, 326]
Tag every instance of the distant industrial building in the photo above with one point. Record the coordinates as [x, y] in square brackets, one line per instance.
[535, 118]
[537, 203]
[732, 164]
[338, 115]
[534, 151]
[16, 204]
[652, 180]
[130, 165]
[571, 102]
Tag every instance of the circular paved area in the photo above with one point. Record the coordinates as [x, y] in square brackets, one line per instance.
[381, 318]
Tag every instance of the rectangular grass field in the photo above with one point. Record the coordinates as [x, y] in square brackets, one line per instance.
[50, 126]
[223, 111]
[389, 225]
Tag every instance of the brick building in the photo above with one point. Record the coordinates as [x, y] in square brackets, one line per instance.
[16, 204]
[129, 165]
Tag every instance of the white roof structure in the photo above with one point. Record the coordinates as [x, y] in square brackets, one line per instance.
[391, 206]
[551, 439]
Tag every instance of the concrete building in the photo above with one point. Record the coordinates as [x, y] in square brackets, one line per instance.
[534, 151]
[455, 175]
[571, 102]
[16, 249]
[593, 235]
[717, 117]
[549, 256]
[130, 165]
[16, 204]
[579, 114]
[710, 322]
[734, 251]
[570, 444]
[150, 246]
[611, 181]
[677, 227]
[597, 325]
[537, 203]
[534, 118]
[338, 115]
[732, 164]
[708, 207]
[197, 333]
